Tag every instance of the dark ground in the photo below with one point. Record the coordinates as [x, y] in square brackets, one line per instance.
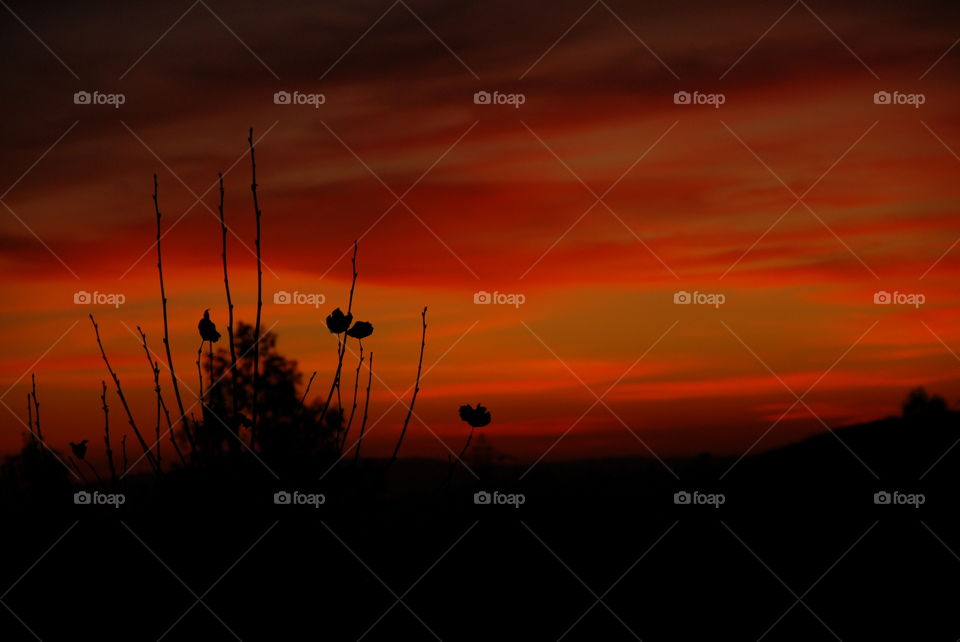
[798, 551]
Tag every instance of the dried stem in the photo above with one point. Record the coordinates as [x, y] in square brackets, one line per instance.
[459, 459]
[307, 391]
[353, 408]
[161, 404]
[123, 400]
[95, 473]
[36, 407]
[166, 327]
[77, 469]
[341, 346]
[106, 433]
[226, 285]
[33, 435]
[366, 408]
[123, 449]
[256, 329]
[416, 389]
[200, 373]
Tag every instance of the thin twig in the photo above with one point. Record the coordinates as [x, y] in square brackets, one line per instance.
[161, 404]
[341, 346]
[36, 407]
[166, 327]
[33, 435]
[123, 449]
[366, 408]
[76, 467]
[459, 459]
[226, 285]
[416, 389]
[306, 391]
[95, 473]
[256, 329]
[353, 408]
[123, 400]
[106, 433]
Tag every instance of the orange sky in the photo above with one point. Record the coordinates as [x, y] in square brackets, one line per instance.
[496, 203]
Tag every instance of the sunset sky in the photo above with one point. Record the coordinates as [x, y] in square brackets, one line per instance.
[597, 199]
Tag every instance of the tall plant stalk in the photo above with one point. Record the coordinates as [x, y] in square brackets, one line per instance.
[459, 459]
[416, 389]
[161, 404]
[33, 435]
[256, 328]
[106, 433]
[166, 327]
[226, 286]
[36, 406]
[366, 408]
[116, 380]
[353, 408]
[341, 346]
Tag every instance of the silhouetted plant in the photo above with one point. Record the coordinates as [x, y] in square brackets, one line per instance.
[476, 418]
[80, 452]
[360, 330]
[366, 408]
[161, 404]
[123, 400]
[416, 389]
[166, 328]
[353, 406]
[106, 433]
[920, 405]
[226, 285]
[338, 323]
[256, 330]
[36, 406]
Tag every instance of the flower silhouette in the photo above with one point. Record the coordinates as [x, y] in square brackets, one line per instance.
[360, 330]
[338, 322]
[207, 328]
[79, 450]
[475, 417]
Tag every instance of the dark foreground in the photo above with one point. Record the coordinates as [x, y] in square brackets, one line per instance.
[599, 550]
